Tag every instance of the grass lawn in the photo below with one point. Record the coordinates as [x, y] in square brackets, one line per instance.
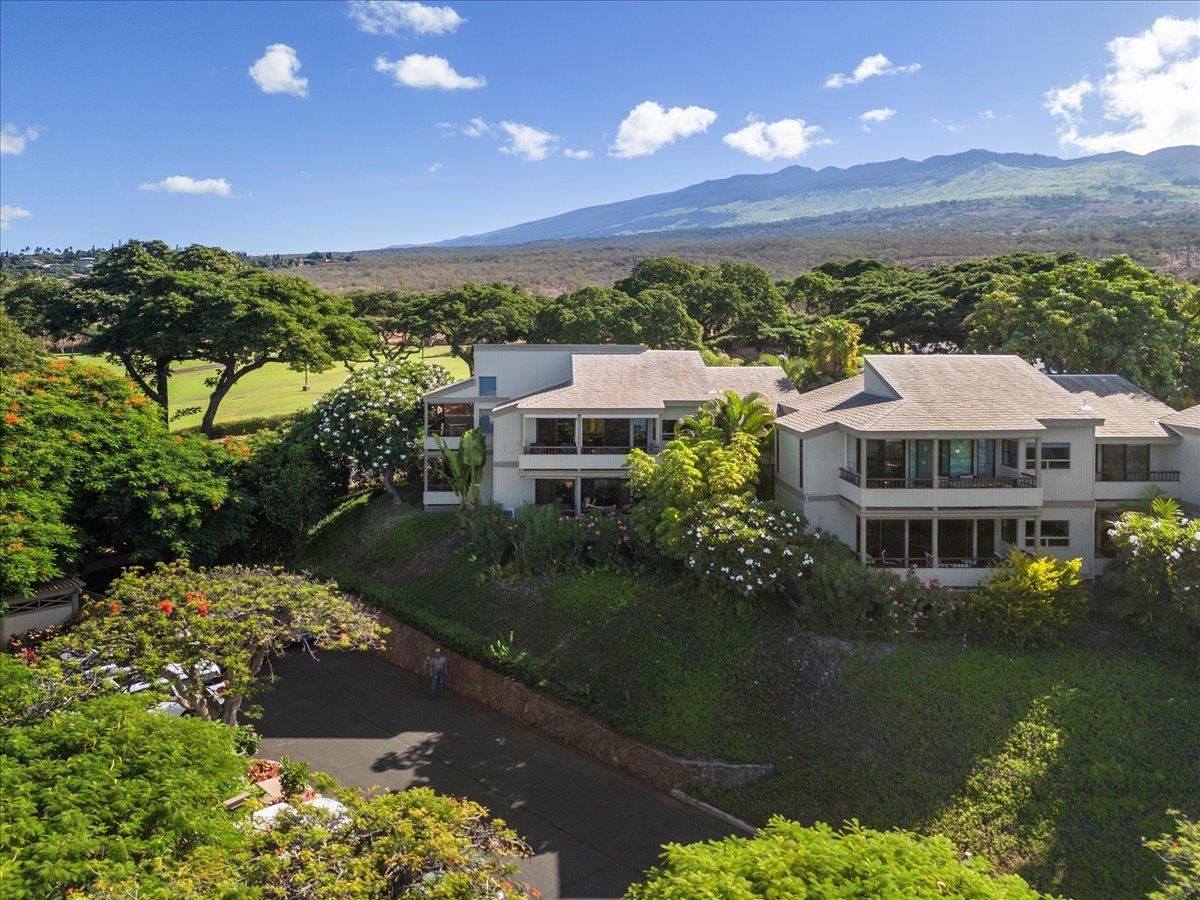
[273, 390]
[1053, 764]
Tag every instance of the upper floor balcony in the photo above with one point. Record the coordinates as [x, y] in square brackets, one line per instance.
[585, 442]
[449, 421]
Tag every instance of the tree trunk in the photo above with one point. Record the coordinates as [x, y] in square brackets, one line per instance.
[228, 378]
[389, 484]
[158, 393]
[162, 383]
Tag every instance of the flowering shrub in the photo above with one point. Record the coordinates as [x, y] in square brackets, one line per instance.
[1028, 599]
[747, 547]
[841, 593]
[1157, 568]
[375, 419]
[914, 606]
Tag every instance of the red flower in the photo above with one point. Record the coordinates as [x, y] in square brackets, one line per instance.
[166, 606]
[202, 608]
[114, 607]
[31, 658]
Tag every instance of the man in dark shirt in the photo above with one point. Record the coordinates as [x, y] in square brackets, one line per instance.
[437, 671]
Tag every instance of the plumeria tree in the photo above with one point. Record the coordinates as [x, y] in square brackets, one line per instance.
[176, 622]
[375, 419]
[1158, 567]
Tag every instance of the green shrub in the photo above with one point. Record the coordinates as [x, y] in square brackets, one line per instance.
[914, 606]
[1180, 852]
[745, 547]
[1156, 574]
[1027, 600]
[840, 593]
[491, 534]
[785, 859]
[245, 739]
[545, 541]
[293, 776]
[608, 540]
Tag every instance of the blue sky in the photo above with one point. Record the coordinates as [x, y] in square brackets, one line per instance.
[102, 104]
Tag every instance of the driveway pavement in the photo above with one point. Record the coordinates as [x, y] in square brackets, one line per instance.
[594, 830]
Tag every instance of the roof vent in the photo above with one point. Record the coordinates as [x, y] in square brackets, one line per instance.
[1087, 407]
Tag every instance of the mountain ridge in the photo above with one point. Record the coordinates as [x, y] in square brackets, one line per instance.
[1163, 180]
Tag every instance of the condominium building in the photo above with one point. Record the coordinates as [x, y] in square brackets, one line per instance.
[561, 419]
[943, 463]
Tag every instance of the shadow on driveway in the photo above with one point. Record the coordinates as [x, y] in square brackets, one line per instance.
[593, 829]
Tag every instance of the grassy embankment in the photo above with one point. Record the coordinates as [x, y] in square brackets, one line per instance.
[274, 390]
[1052, 763]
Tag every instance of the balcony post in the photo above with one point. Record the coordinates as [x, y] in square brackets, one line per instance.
[862, 539]
[578, 436]
[934, 530]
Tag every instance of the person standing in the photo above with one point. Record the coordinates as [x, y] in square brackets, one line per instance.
[437, 664]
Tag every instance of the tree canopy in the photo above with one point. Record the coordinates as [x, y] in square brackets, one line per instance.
[175, 622]
[483, 314]
[596, 315]
[87, 466]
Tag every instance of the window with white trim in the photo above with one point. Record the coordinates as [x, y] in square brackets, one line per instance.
[487, 385]
[1054, 456]
[1055, 533]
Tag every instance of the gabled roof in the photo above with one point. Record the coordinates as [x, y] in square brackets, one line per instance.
[940, 393]
[651, 379]
[1186, 418]
[1129, 412]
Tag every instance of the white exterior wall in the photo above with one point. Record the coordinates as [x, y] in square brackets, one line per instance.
[1079, 481]
[1189, 466]
[787, 460]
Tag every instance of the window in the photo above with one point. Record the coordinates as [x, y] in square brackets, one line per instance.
[668, 429]
[487, 385]
[1055, 533]
[1054, 456]
[554, 432]
[1123, 462]
[885, 459]
[485, 422]
[920, 459]
[1009, 453]
[1008, 531]
[605, 494]
[451, 419]
[555, 492]
[955, 458]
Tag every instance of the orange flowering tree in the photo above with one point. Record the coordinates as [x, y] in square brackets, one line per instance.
[176, 623]
[88, 467]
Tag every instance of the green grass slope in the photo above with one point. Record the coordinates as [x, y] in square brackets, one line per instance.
[1053, 763]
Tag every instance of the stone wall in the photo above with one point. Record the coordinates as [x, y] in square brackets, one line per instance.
[409, 648]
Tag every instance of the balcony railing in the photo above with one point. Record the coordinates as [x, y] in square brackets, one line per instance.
[959, 481]
[928, 562]
[451, 429]
[1137, 476]
[571, 449]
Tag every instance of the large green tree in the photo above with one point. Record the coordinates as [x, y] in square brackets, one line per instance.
[1110, 316]
[149, 307]
[87, 466]
[403, 321]
[596, 315]
[667, 272]
[494, 313]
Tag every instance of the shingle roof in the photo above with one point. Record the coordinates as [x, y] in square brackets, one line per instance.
[651, 380]
[1189, 418]
[1129, 412]
[943, 392]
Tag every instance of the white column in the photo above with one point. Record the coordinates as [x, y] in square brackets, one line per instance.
[934, 531]
[862, 539]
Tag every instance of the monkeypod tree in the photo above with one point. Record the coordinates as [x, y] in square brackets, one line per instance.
[375, 419]
[401, 320]
[494, 313]
[175, 622]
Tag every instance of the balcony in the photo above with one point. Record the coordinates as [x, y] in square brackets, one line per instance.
[569, 456]
[1137, 476]
[982, 491]
[951, 482]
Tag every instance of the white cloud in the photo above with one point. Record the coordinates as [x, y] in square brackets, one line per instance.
[577, 154]
[394, 16]
[785, 139]
[184, 184]
[878, 64]
[14, 139]
[419, 71]
[1152, 90]
[987, 114]
[276, 72]
[527, 142]
[9, 214]
[436, 167]
[477, 128]
[951, 127]
[875, 116]
[649, 127]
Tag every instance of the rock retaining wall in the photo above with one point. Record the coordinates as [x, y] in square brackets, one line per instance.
[409, 648]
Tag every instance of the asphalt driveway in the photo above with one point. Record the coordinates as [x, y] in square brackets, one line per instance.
[594, 830]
